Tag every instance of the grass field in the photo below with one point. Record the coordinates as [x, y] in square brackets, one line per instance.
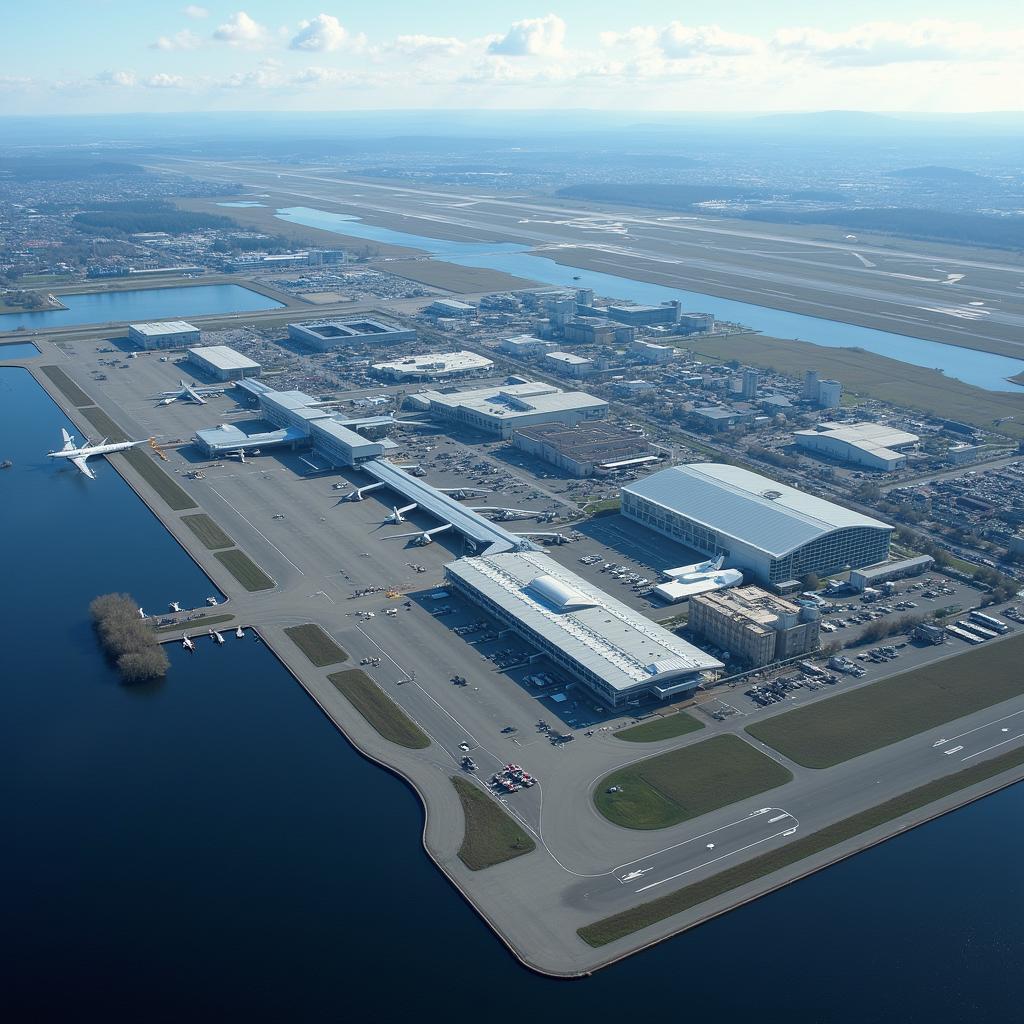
[104, 425]
[619, 925]
[682, 784]
[455, 278]
[212, 536]
[491, 835]
[664, 728]
[187, 627]
[379, 709]
[67, 386]
[834, 730]
[316, 645]
[871, 376]
[244, 569]
[143, 464]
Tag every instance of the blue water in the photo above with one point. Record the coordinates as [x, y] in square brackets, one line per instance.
[210, 849]
[142, 304]
[18, 350]
[982, 369]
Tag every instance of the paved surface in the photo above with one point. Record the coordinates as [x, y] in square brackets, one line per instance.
[323, 552]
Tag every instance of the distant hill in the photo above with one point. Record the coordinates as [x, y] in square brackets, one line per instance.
[934, 173]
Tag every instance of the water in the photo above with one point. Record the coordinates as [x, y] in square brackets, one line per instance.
[142, 304]
[209, 848]
[982, 369]
[18, 350]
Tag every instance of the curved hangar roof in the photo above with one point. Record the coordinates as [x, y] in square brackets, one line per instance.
[750, 508]
[559, 594]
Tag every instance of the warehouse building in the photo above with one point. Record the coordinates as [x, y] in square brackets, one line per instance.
[755, 627]
[223, 363]
[167, 334]
[619, 655]
[569, 365]
[433, 366]
[502, 408]
[872, 445]
[449, 308]
[524, 346]
[585, 449]
[324, 335]
[644, 316]
[589, 330]
[872, 576]
[774, 533]
[648, 352]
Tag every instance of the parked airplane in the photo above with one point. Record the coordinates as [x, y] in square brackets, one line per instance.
[78, 455]
[192, 392]
[240, 453]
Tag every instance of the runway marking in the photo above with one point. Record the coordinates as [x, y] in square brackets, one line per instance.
[995, 721]
[778, 817]
[257, 529]
[1001, 743]
[953, 750]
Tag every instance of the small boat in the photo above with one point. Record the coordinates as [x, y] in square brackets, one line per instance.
[142, 614]
[6, 464]
[216, 636]
[188, 643]
[211, 601]
[240, 633]
[175, 606]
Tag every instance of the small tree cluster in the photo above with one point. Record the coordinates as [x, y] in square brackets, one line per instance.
[127, 639]
[881, 628]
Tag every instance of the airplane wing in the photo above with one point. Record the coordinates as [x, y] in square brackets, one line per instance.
[69, 441]
[83, 466]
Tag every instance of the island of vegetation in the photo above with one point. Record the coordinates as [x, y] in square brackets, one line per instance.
[126, 638]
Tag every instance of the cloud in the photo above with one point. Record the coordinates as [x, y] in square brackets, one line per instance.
[322, 34]
[194, 11]
[241, 30]
[183, 40]
[875, 44]
[680, 42]
[163, 81]
[533, 37]
[123, 79]
[427, 46]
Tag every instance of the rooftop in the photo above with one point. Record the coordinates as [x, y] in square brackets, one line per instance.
[435, 363]
[748, 507]
[155, 329]
[511, 400]
[224, 358]
[876, 438]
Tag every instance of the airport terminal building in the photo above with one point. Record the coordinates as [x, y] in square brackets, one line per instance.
[774, 533]
[617, 653]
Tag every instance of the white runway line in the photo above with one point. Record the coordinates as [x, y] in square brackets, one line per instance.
[260, 532]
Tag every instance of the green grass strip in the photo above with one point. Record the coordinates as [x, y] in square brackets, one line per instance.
[827, 733]
[187, 626]
[212, 536]
[244, 569]
[105, 425]
[663, 728]
[379, 709]
[664, 790]
[492, 836]
[316, 644]
[620, 925]
[67, 386]
[143, 464]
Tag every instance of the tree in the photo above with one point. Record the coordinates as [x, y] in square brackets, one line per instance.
[811, 582]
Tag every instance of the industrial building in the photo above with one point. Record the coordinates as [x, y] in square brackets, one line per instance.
[167, 334]
[774, 533]
[861, 579]
[591, 330]
[433, 366]
[695, 323]
[328, 334]
[523, 346]
[826, 394]
[648, 352]
[449, 308]
[614, 651]
[643, 316]
[872, 445]
[585, 449]
[569, 365]
[223, 363]
[754, 626]
[502, 408]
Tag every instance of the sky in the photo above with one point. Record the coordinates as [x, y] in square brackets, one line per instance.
[123, 56]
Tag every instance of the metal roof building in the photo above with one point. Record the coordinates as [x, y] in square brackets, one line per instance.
[774, 532]
[165, 334]
[873, 445]
[223, 362]
[617, 653]
[433, 366]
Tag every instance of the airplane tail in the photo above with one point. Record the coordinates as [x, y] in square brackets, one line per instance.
[69, 439]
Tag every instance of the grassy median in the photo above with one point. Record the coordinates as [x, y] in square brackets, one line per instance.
[663, 728]
[67, 386]
[245, 570]
[620, 925]
[212, 536]
[105, 425]
[316, 644]
[682, 784]
[850, 724]
[379, 709]
[492, 836]
[143, 464]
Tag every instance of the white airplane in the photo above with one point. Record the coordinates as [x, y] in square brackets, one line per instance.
[192, 392]
[77, 456]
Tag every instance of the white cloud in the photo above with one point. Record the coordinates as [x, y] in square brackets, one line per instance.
[680, 42]
[427, 46]
[183, 40]
[119, 78]
[533, 37]
[163, 81]
[321, 34]
[241, 30]
[194, 11]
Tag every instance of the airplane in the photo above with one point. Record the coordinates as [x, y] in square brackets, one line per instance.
[192, 392]
[78, 455]
[398, 514]
[240, 453]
